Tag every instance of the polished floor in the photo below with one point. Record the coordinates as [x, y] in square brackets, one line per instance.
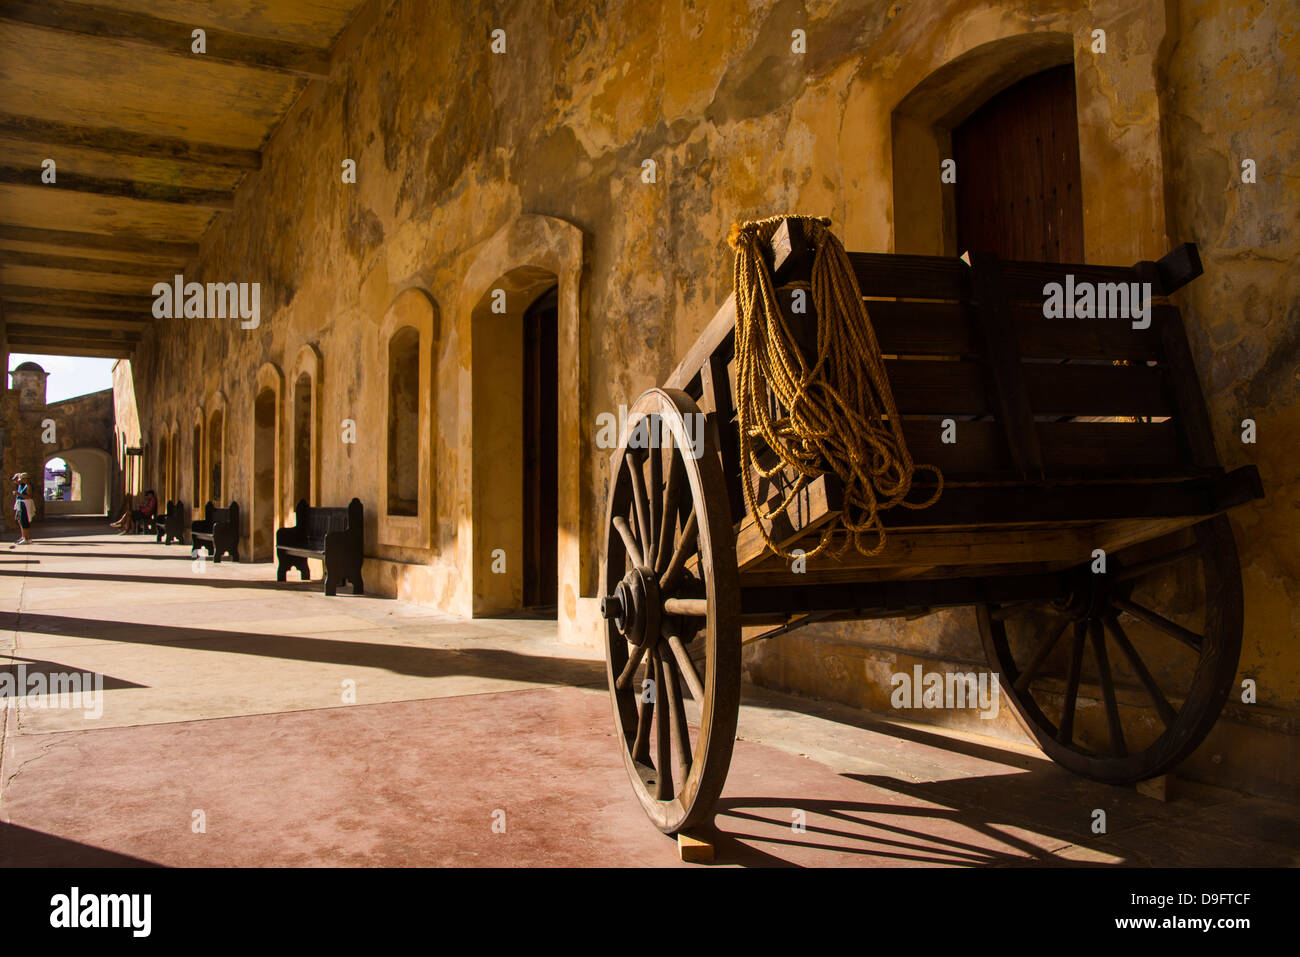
[246, 723]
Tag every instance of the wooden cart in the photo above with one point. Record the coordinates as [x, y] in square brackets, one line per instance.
[1071, 436]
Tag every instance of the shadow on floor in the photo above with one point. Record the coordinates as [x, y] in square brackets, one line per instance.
[399, 659]
[23, 847]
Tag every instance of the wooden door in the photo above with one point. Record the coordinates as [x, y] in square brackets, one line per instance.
[541, 441]
[1018, 192]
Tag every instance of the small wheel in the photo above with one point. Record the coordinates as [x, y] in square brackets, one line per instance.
[1172, 610]
[672, 610]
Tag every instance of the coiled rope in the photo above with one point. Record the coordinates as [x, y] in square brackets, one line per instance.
[839, 414]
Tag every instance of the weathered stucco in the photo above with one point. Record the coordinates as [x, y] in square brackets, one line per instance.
[478, 171]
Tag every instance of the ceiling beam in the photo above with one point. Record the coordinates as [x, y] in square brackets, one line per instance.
[22, 257]
[98, 351]
[30, 129]
[64, 333]
[168, 36]
[14, 294]
[70, 182]
[154, 248]
[73, 320]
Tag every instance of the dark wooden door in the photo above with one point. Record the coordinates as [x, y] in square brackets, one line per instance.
[541, 438]
[1017, 156]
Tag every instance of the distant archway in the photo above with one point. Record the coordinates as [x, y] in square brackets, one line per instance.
[89, 488]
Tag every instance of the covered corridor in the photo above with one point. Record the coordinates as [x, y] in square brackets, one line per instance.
[223, 709]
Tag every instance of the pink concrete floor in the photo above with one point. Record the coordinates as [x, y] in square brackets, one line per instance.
[468, 724]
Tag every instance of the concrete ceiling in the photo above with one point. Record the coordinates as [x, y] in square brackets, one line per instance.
[150, 141]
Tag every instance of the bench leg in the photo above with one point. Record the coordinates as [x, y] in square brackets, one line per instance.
[331, 586]
[282, 566]
[358, 586]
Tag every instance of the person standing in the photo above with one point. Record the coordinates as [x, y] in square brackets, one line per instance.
[24, 508]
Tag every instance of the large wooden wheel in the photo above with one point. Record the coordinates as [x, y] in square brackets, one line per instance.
[1164, 627]
[672, 606]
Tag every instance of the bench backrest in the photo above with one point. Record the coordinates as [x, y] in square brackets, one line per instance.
[227, 516]
[173, 508]
[319, 521]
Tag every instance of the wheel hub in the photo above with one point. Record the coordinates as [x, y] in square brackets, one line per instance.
[634, 608]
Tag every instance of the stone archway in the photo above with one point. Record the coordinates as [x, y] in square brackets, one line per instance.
[510, 271]
[304, 418]
[90, 488]
[266, 501]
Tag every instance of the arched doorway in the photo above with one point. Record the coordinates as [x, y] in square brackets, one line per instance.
[302, 439]
[541, 446]
[81, 485]
[515, 361]
[216, 445]
[263, 513]
[1018, 190]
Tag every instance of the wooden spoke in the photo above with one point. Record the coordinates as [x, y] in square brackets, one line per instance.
[694, 607]
[629, 542]
[629, 672]
[656, 493]
[1065, 734]
[1117, 745]
[668, 516]
[1040, 655]
[672, 496]
[687, 667]
[1190, 638]
[644, 714]
[663, 732]
[1014, 610]
[685, 548]
[677, 717]
[1145, 568]
[1167, 714]
[639, 504]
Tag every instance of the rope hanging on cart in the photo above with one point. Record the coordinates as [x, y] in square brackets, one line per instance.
[840, 414]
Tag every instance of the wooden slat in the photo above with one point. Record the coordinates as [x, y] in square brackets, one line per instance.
[816, 505]
[150, 248]
[20, 257]
[1079, 449]
[1024, 281]
[75, 349]
[1184, 391]
[979, 451]
[70, 182]
[926, 387]
[16, 293]
[1077, 389]
[721, 327]
[924, 328]
[911, 277]
[17, 331]
[1035, 504]
[1083, 338]
[111, 140]
[167, 36]
[1008, 375]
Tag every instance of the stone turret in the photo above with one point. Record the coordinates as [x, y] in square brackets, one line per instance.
[29, 380]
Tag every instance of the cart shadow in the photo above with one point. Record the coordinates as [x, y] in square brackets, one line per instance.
[1010, 824]
[24, 847]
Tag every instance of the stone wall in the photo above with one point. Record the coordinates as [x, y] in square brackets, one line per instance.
[479, 171]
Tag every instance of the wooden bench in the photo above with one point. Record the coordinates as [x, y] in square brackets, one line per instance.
[334, 535]
[171, 524]
[218, 532]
